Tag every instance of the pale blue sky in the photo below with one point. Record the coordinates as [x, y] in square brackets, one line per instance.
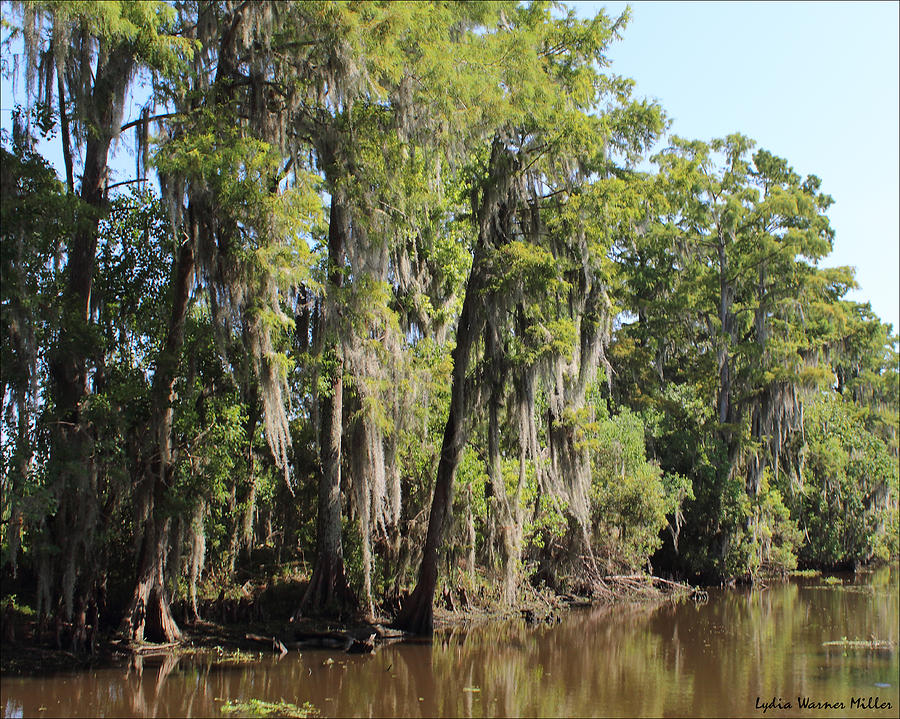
[813, 82]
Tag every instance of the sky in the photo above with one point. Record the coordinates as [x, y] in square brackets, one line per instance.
[813, 82]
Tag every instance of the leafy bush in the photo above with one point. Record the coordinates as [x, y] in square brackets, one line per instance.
[845, 499]
[631, 497]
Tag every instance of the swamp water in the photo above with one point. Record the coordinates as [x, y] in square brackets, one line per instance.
[741, 653]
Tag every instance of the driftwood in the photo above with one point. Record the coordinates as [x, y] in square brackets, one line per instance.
[276, 644]
[317, 640]
[641, 586]
[149, 649]
[389, 634]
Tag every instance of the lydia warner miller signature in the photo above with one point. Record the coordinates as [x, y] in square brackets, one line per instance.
[776, 703]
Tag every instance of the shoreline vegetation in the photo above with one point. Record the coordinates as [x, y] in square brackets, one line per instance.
[231, 634]
[228, 637]
[407, 309]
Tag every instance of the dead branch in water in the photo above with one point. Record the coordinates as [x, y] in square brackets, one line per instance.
[640, 587]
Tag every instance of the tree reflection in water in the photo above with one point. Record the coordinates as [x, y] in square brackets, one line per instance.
[687, 659]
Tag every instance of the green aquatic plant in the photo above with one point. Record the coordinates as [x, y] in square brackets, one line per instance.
[260, 708]
[805, 573]
[236, 656]
[871, 643]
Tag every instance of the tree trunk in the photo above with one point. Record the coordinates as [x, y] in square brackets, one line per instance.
[726, 322]
[149, 615]
[728, 413]
[69, 368]
[417, 613]
[761, 414]
[253, 416]
[150, 600]
[64, 131]
[198, 556]
[328, 592]
[501, 511]
[71, 527]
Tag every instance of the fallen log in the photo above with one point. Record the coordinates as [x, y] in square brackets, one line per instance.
[342, 641]
[388, 634]
[148, 649]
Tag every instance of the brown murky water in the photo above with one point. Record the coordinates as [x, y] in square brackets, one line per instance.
[726, 657]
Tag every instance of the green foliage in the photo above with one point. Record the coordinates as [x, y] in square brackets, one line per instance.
[711, 540]
[549, 523]
[776, 536]
[10, 600]
[270, 230]
[631, 496]
[144, 26]
[846, 498]
[134, 267]
[735, 330]
[35, 217]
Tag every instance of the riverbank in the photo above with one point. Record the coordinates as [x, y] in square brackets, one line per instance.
[29, 648]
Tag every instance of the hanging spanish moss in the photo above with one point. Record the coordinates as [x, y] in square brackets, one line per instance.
[776, 416]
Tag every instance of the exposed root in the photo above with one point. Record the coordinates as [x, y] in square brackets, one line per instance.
[328, 593]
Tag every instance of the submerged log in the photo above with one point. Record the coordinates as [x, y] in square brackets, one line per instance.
[389, 634]
[362, 646]
[342, 641]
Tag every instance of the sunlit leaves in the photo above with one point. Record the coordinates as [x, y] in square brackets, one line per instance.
[846, 503]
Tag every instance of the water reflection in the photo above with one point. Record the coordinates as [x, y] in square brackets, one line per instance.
[710, 659]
